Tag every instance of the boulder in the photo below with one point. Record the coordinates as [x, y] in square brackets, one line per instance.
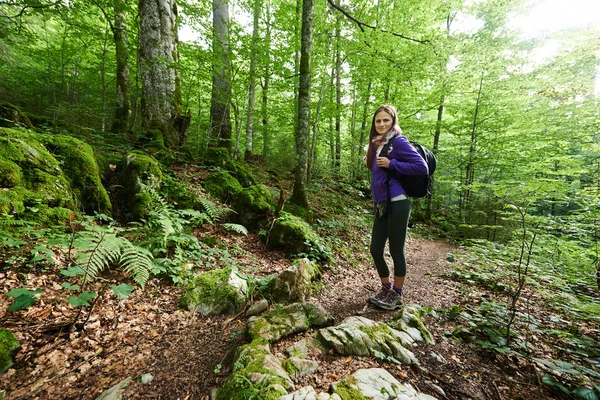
[410, 320]
[297, 366]
[46, 178]
[375, 384]
[12, 117]
[222, 186]
[138, 169]
[216, 156]
[294, 235]
[257, 308]
[363, 337]
[293, 284]
[255, 368]
[285, 321]
[215, 292]
[241, 173]
[253, 205]
[8, 344]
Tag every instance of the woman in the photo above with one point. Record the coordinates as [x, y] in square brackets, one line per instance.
[391, 205]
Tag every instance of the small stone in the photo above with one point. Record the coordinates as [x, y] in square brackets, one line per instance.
[115, 392]
[146, 379]
[257, 308]
[437, 357]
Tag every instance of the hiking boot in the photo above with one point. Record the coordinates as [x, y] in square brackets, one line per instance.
[379, 296]
[392, 301]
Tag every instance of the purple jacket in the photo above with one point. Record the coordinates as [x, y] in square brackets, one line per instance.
[405, 160]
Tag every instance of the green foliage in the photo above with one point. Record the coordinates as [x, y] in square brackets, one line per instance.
[82, 299]
[8, 343]
[23, 298]
[122, 291]
[237, 228]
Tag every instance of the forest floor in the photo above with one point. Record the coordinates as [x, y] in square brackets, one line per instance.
[188, 354]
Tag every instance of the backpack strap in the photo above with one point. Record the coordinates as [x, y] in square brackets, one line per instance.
[384, 153]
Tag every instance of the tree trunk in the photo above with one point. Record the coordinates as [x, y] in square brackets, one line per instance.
[436, 143]
[470, 170]
[265, 86]
[121, 122]
[303, 130]
[220, 119]
[161, 94]
[338, 95]
[363, 125]
[252, 82]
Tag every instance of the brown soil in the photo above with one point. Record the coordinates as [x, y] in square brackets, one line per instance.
[189, 354]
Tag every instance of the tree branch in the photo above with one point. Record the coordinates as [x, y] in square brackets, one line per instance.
[361, 25]
[26, 6]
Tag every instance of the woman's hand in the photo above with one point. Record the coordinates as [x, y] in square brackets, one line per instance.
[383, 162]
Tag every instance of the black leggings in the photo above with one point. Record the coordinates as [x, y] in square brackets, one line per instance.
[392, 224]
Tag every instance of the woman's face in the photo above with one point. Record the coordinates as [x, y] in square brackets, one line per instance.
[383, 122]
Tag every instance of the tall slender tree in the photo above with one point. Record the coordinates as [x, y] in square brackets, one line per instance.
[123, 107]
[252, 80]
[220, 119]
[303, 125]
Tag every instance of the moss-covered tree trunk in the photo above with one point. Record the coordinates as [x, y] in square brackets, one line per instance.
[303, 130]
[161, 91]
[123, 107]
[220, 119]
[252, 82]
[265, 84]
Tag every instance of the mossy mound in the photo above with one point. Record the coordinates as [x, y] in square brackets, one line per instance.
[294, 235]
[81, 170]
[222, 186]
[216, 156]
[8, 344]
[137, 169]
[241, 173]
[215, 292]
[44, 178]
[12, 117]
[253, 205]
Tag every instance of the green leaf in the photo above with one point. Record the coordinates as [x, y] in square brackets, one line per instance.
[22, 301]
[16, 292]
[73, 271]
[82, 299]
[122, 291]
[551, 381]
[584, 393]
[67, 285]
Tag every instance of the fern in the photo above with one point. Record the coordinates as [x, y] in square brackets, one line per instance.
[137, 261]
[212, 210]
[237, 228]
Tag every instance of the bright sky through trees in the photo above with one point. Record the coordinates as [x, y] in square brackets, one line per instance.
[548, 16]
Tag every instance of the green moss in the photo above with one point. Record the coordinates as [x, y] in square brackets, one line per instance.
[241, 173]
[45, 215]
[8, 343]
[211, 286]
[137, 169]
[179, 194]
[296, 236]
[376, 331]
[11, 202]
[216, 156]
[253, 205]
[10, 174]
[347, 392]
[222, 185]
[11, 115]
[81, 170]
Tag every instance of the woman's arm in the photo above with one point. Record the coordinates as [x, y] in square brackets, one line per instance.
[404, 158]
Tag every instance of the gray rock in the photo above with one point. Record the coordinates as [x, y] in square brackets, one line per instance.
[115, 392]
[300, 367]
[215, 292]
[410, 320]
[146, 379]
[305, 393]
[257, 308]
[302, 347]
[285, 321]
[363, 337]
[293, 284]
[378, 384]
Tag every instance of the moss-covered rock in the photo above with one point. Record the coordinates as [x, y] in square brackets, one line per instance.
[253, 205]
[222, 186]
[216, 156]
[294, 235]
[293, 284]
[10, 174]
[12, 117]
[8, 344]
[215, 292]
[241, 173]
[136, 170]
[81, 170]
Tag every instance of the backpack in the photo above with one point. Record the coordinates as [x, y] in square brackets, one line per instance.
[415, 185]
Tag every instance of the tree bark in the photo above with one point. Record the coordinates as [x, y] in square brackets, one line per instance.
[436, 144]
[303, 130]
[252, 82]
[265, 86]
[220, 119]
[121, 122]
[161, 91]
[338, 95]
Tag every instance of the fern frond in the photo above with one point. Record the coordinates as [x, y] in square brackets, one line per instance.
[237, 228]
[195, 217]
[136, 261]
[104, 249]
[212, 210]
